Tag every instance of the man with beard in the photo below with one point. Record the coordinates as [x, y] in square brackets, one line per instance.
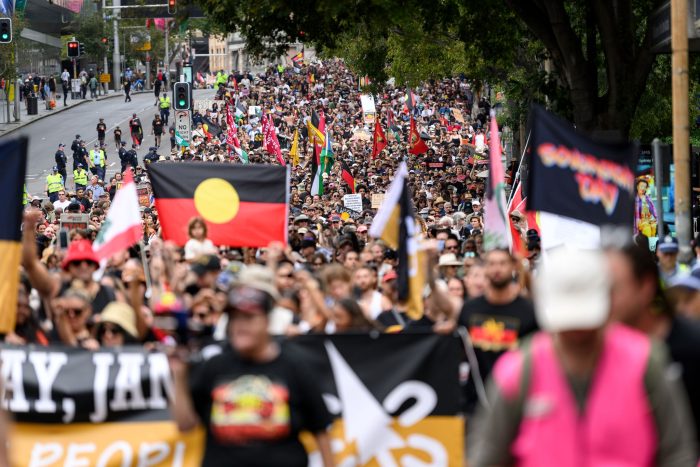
[497, 320]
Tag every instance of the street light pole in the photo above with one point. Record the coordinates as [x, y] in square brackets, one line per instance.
[115, 55]
[166, 59]
[681, 159]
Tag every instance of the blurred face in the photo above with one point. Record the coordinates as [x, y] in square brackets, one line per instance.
[377, 253]
[248, 330]
[451, 246]
[203, 315]
[454, 288]
[111, 335]
[197, 229]
[668, 260]
[77, 312]
[82, 270]
[363, 279]
[341, 318]
[23, 310]
[630, 298]
[352, 260]
[284, 277]
[338, 289]
[499, 269]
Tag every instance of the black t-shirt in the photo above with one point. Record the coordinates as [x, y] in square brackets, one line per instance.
[684, 346]
[253, 412]
[101, 129]
[494, 329]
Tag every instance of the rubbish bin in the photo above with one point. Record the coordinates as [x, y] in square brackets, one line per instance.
[32, 106]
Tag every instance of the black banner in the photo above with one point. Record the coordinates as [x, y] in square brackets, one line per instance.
[394, 396]
[574, 176]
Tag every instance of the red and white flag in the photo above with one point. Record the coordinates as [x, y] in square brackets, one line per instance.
[122, 228]
[495, 231]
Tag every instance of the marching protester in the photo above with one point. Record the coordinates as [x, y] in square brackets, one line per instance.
[289, 213]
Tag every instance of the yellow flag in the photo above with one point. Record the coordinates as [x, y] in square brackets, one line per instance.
[294, 152]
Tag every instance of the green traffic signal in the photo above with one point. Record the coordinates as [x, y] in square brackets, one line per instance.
[5, 36]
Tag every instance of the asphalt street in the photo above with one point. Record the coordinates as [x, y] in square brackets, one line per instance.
[46, 134]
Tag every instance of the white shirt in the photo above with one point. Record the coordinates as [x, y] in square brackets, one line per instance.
[61, 204]
[65, 76]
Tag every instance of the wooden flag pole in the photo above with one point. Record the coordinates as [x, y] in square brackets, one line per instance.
[681, 160]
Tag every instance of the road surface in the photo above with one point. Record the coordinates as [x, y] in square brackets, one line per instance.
[45, 134]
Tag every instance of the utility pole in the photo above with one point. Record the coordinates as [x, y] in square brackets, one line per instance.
[115, 55]
[681, 159]
[105, 66]
[166, 60]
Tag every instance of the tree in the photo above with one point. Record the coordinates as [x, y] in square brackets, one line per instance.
[599, 49]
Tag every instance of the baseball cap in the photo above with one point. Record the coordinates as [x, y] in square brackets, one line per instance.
[572, 291]
[688, 281]
[668, 245]
[80, 250]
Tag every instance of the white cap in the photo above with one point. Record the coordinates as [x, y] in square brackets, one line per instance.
[572, 290]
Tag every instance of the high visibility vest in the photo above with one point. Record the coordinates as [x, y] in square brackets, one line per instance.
[97, 158]
[55, 182]
[80, 177]
[164, 102]
[280, 68]
[25, 197]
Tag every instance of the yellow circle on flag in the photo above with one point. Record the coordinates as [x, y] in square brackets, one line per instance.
[345, 216]
[216, 200]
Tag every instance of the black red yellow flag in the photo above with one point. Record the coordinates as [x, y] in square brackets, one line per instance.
[242, 205]
[346, 173]
[13, 162]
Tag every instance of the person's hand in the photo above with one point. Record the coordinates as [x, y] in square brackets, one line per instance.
[177, 359]
[32, 216]
[275, 251]
[90, 344]
[14, 339]
[431, 249]
[445, 327]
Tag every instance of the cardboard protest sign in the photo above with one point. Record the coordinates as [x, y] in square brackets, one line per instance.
[353, 202]
[144, 195]
[74, 221]
[377, 199]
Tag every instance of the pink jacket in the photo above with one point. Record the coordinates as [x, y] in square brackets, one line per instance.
[616, 428]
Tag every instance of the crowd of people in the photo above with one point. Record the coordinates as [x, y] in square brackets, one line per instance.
[332, 277]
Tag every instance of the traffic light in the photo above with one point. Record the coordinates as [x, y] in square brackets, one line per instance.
[172, 6]
[181, 96]
[81, 49]
[73, 49]
[5, 30]
[104, 40]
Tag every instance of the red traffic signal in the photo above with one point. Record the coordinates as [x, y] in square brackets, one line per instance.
[104, 40]
[73, 49]
[172, 6]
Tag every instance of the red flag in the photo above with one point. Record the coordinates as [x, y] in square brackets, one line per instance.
[379, 142]
[415, 143]
[518, 203]
[270, 141]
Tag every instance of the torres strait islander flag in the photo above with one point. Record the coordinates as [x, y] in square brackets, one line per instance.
[242, 205]
[122, 228]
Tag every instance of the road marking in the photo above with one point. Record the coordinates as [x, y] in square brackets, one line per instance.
[118, 123]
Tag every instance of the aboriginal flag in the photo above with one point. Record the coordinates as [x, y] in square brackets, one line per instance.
[13, 159]
[242, 205]
[347, 175]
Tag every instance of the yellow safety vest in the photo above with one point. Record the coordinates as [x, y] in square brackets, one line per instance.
[25, 198]
[165, 103]
[55, 183]
[97, 158]
[80, 177]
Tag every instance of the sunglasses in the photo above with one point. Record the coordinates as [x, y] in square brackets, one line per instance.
[289, 275]
[318, 264]
[201, 315]
[112, 329]
[81, 262]
[74, 312]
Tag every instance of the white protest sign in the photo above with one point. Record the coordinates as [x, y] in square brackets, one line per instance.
[369, 111]
[183, 127]
[353, 202]
[202, 105]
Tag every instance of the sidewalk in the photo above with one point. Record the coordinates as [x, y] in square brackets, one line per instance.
[7, 128]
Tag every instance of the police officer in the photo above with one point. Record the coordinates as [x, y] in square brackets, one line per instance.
[164, 108]
[75, 145]
[96, 162]
[123, 155]
[133, 159]
[61, 161]
[54, 184]
[152, 156]
[80, 156]
[80, 177]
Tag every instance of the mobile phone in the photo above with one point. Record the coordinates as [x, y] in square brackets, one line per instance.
[62, 239]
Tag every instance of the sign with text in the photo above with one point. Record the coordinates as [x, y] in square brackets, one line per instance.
[144, 195]
[377, 200]
[353, 202]
[74, 222]
[183, 125]
[110, 407]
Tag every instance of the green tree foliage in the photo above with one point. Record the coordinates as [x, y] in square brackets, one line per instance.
[598, 51]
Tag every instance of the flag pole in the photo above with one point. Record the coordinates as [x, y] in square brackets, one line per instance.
[517, 176]
[146, 269]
